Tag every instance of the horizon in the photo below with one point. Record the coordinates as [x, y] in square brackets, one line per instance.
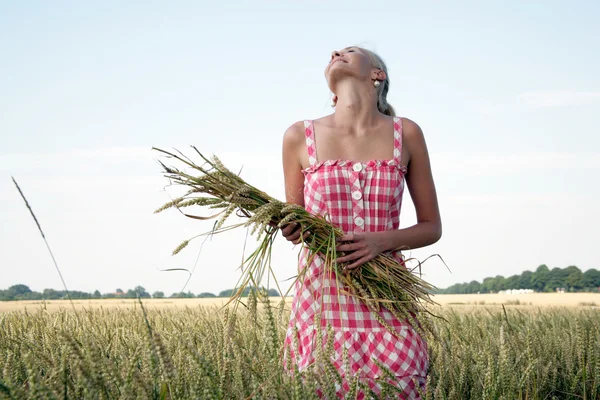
[509, 106]
[218, 293]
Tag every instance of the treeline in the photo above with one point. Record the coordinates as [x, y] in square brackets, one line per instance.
[569, 279]
[23, 292]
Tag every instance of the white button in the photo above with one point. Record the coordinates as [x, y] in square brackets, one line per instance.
[357, 167]
[359, 221]
[356, 195]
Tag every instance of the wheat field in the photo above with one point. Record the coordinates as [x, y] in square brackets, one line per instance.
[458, 301]
[181, 349]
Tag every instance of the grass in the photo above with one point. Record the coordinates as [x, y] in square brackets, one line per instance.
[210, 352]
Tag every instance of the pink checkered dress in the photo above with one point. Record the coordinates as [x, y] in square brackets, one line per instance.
[358, 197]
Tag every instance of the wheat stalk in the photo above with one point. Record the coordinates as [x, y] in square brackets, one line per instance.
[382, 282]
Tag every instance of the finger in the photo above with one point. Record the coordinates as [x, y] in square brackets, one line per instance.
[350, 237]
[355, 255]
[348, 247]
[293, 236]
[289, 228]
[301, 238]
[357, 264]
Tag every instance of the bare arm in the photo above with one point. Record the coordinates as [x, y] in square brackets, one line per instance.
[419, 180]
[293, 145]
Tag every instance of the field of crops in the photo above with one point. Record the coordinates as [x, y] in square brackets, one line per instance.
[458, 301]
[206, 352]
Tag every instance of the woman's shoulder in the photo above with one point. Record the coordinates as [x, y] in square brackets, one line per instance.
[412, 138]
[294, 136]
[410, 129]
[297, 131]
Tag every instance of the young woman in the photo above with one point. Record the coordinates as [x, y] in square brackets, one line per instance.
[352, 165]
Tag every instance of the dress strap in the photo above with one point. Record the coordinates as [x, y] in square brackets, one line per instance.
[310, 142]
[397, 139]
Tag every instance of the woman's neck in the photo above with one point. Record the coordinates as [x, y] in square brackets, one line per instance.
[356, 107]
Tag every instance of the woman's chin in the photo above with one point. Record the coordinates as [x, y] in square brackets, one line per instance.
[340, 74]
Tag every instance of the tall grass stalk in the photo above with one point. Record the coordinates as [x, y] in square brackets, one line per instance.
[45, 241]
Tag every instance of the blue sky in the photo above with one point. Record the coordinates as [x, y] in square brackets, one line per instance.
[507, 94]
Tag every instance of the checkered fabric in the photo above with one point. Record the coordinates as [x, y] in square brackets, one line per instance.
[357, 197]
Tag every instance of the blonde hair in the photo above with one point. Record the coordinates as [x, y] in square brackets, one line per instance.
[382, 105]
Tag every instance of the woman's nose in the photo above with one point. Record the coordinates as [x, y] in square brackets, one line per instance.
[335, 53]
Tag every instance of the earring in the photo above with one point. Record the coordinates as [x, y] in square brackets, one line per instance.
[333, 101]
[376, 83]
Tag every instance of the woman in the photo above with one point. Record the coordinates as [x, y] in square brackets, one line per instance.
[352, 166]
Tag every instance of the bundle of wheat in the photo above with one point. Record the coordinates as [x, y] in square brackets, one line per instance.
[381, 282]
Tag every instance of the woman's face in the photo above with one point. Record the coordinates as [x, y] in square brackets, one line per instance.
[351, 61]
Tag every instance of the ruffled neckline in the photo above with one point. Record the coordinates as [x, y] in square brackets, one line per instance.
[350, 164]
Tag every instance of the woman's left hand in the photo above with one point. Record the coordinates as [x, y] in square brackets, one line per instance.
[361, 248]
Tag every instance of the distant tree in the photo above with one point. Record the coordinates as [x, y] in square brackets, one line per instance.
[591, 279]
[97, 295]
[30, 296]
[556, 279]
[543, 279]
[141, 292]
[158, 295]
[473, 287]
[51, 294]
[246, 292]
[500, 283]
[77, 294]
[119, 291]
[574, 279]
[463, 288]
[512, 282]
[487, 285]
[226, 293]
[205, 295]
[18, 292]
[525, 280]
[493, 285]
[540, 278]
[135, 292]
[182, 295]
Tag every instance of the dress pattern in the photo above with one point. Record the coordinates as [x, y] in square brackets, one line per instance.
[357, 197]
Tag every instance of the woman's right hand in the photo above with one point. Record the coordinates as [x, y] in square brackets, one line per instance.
[293, 233]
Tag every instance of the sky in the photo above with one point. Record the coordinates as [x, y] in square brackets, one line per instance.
[507, 95]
